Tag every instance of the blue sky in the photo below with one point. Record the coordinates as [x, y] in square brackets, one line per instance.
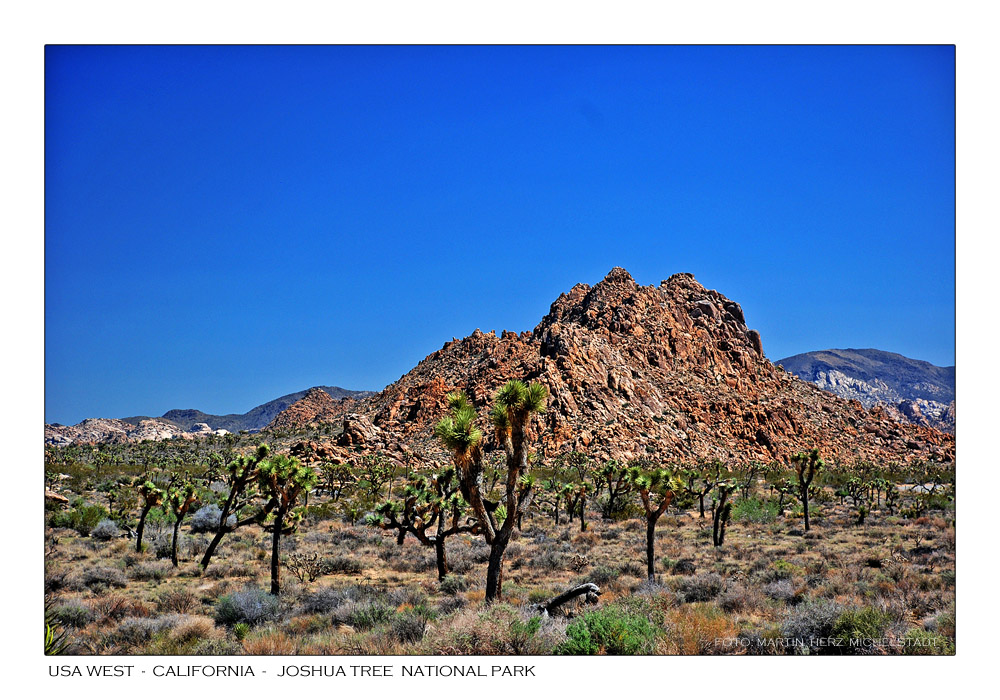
[228, 224]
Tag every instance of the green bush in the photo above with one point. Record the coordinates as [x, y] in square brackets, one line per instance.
[860, 625]
[452, 584]
[920, 642]
[755, 510]
[83, 518]
[609, 630]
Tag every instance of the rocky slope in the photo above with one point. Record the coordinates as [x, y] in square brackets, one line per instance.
[909, 390]
[671, 371]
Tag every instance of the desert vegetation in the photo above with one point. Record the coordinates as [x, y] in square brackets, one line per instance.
[229, 545]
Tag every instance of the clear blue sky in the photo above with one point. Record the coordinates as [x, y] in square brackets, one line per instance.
[228, 224]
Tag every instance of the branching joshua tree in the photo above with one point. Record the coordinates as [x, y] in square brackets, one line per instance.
[240, 476]
[432, 510]
[575, 496]
[150, 496]
[180, 497]
[613, 477]
[806, 464]
[513, 406]
[335, 479]
[282, 480]
[657, 488]
[700, 481]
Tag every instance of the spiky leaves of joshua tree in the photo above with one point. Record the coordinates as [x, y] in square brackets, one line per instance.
[282, 480]
[150, 496]
[513, 406]
[180, 498]
[806, 464]
[432, 510]
[240, 476]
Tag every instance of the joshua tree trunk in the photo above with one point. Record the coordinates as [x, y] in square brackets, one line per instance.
[212, 546]
[494, 572]
[173, 543]
[442, 558]
[701, 505]
[650, 540]
[805, 505]
[142, 525]
[583, 518]
[275, 546]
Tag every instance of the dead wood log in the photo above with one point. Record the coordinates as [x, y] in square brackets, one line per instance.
[590, 590]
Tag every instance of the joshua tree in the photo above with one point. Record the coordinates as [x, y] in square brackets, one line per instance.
[699, 482]
[282, 480]
[806, 464]
[376, 471]
[150, 496]
[613, 476]
[657, 488]
[513, 406]
[428, 502]
[748, 474]
[240, 475]
[180, 497]
[335, 479]
[721, 511]
[575, 495]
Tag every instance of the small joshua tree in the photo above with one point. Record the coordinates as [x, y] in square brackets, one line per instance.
[282, 480]
[428, 502]
[806, 464]
[335, 479]
[513, 406]
[575, 495]
[657, 488]
[700, 481]
[376, 470]
[180, 498]
[150, 496]
[721, 511]
[613, 477]
[240, 476]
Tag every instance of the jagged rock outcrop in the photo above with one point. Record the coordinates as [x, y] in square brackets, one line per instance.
[671, 371]
[314, 408]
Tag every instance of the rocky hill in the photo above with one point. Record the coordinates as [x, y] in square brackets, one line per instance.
[183, 422]
[909, 390]
[669, 371]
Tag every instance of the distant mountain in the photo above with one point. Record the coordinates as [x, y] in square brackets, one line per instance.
[911, 390]
[182, 420]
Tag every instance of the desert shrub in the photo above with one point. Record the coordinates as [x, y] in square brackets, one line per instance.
[269, 642]
[609, 630]
[99, 578]
[755, 510]
[250, 605]
[179, 600]
[343, 565]
[408, 627]
[700, 588]
[737, 598]
[453, 584]
[105, 530]
[82, 517]
[918, 642]
[138, 631]
[811, 622]
[497, 629]
[370, 615]
[446, 606]
[74, 613]
[149, 571]
[683, 566]
[603, 575]
[782, 590]
[322, 601]
[633, 568]
[860, 626]
[698, 629]
[216, 646]
[206, 519]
